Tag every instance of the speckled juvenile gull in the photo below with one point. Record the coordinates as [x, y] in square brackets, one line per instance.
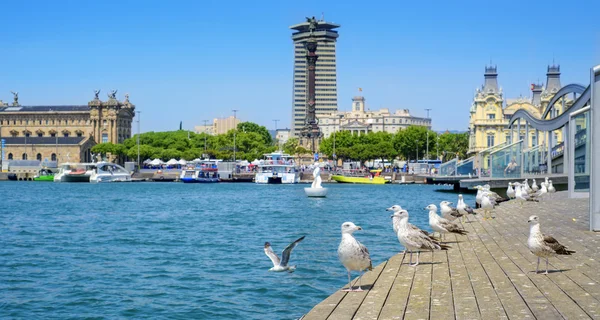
[440, 224]
[543, 246]
[449, 212]
[352, 254]
[414, 239]
[396, 224]
[282, 265]
[463, 208]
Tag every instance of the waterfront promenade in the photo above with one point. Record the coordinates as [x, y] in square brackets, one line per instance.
[488, 274]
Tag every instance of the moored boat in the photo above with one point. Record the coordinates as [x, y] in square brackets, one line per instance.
[206, 172]
[74, 172]
[44, 174]
[277, 168]
[109, 172]
[360, 177]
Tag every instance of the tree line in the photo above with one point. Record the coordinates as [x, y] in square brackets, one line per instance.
[253, 140]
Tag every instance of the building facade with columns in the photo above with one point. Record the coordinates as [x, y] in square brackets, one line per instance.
[360, 120]
[490, 111]
[63, 133]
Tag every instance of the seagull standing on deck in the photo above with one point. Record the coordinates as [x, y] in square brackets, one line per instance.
[282, 265]
[510, 192]
[440, 224]
[550, 187]
[463, 208]
[353, 254]
[534, 186]
[449, 212]
[415, 240]
[543, 246]
[478, 196]
[396, 223]
[487, 205]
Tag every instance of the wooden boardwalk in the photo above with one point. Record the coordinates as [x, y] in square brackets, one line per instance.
[488, 274]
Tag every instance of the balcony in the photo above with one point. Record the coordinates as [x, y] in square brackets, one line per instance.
[490, 122]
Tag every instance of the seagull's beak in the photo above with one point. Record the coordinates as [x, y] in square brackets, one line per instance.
[450, 202]
[358, 228]
[391, 216]
[389, 209]
[528, 220]
[425, 208]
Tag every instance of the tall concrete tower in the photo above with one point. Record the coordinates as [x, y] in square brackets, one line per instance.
[325, 72]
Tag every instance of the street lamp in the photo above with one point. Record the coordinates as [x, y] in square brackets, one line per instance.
[275, 120]
[138, 138]
[340, 116]
[234, 131]
[437, 148]
[205, 124]
[427, 146]
[417, 150]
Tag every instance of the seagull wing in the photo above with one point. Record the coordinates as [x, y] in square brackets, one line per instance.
[556, 246]
[274, 258]
[285, 255]
[365, 253]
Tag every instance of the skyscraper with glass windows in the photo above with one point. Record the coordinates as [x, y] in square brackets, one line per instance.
[326, 75]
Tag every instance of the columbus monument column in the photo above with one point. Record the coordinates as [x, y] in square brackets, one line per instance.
[311, 134]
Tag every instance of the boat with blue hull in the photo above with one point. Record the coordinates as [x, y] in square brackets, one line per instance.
[206, 172]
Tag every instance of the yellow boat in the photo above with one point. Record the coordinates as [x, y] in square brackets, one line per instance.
[356, 177]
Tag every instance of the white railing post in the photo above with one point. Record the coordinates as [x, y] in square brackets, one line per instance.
[595, 149]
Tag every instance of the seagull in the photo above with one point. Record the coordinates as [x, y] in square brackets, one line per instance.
[449, 212]
[527, 187]
[492, 195]
[487, 205]
[280, 266]
[523, 196]
[510, 192]
[353, 254]
[542, 192]
[543, 246]
[534, 186]
[550, 187]
[463, 208]
[440, 224]
[478, 196]
[396, 223]
[415, 240]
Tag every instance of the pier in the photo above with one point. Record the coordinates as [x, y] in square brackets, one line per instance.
[487, 274]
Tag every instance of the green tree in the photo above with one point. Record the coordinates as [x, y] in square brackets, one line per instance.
[248, 127]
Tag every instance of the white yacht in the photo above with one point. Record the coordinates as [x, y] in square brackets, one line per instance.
[74, 172]
[277, 168]
[91, 172]
[109, 172]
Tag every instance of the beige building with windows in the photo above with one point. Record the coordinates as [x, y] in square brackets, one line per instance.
[361, 120]
[325, 72]
[63, 133]
[490, 111]
[219, 126]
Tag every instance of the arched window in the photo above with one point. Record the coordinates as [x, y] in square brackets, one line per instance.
[24, 156]
[10, 156]
[39, 157]
[53, 157]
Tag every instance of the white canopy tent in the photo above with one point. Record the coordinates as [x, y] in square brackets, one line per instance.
[156, 162]
[182, 162]
[172, 162]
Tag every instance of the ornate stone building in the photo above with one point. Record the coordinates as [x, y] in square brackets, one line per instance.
[490, 112]
[361, 120]
[63, 133]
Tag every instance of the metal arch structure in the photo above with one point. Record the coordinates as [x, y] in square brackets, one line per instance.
[558, 122]
[570, 88]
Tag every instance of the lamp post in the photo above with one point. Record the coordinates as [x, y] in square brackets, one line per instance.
[417, 150]
[437, 148]
[138, 138]
[234, 131]
[275, 120]
[205, 124]
[340, 116]
[427, 145]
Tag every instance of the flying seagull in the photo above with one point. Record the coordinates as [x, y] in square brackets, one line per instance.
[353, 254]
[282, 265]
[543, 246]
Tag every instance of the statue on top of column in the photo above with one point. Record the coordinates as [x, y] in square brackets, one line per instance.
[96, 93]
[312, 24]
[112, 94]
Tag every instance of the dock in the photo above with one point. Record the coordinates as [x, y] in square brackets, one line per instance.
[487, 274]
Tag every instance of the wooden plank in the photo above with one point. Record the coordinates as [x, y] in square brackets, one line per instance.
[377, 296]
[442, 306]
[463, 296]
[513, 303]
[397, 299]
[543, 304]
[353, 300]
[420, 294]
[488, 302]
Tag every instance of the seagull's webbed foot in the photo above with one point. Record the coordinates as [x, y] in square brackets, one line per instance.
[413, 265]
[348, 290]
[358, 290]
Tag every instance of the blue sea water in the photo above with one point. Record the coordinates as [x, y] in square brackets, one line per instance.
[171, 250]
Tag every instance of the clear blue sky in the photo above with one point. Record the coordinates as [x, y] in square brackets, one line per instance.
[189, 61]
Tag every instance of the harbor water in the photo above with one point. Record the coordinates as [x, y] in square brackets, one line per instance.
[173, 250]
